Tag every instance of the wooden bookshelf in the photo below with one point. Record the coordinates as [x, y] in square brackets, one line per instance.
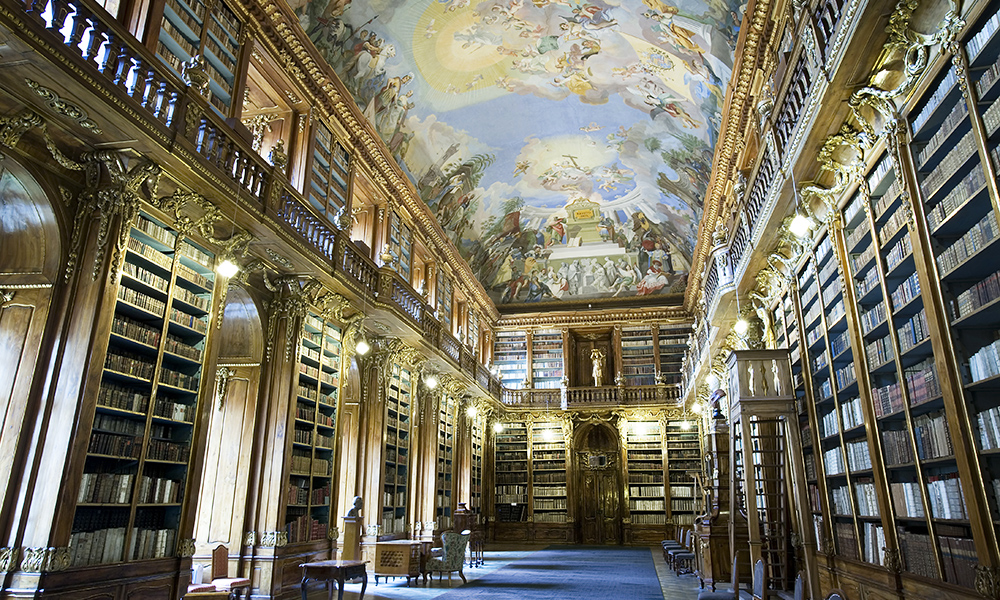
[477, 433]
[398, 424]
[510, 356]
[314, 426]
[638, 356]
[647, 490]
[683, 454]
[136, 470]
[547, 367]
[329, 172]
[445, 298]
[400, 244]
[445, 482]
[209, 30]
[549, 500]
[510, 495]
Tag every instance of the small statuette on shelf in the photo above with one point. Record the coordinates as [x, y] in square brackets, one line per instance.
[278, 157]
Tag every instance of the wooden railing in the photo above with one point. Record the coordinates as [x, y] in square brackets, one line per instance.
[794, 101]
[711, 280]
[583, 397]
[93, 42]
[826, 19]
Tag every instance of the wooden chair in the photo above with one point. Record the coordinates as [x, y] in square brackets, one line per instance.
[759, 580]
[220, 575]
[681, 549]
[731, 594]
[800, 586]
[683, 560]
[453, 557]
[836, 596]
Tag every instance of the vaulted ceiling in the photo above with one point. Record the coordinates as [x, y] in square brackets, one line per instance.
[565, 147]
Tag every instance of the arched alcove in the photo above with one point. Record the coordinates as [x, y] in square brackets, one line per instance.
[30, 241]
[30, 258]
[222, 499]
[348, 434]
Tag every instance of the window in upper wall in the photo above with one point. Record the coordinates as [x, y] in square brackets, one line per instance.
[328, 184]
[444, 298]
[269, 116]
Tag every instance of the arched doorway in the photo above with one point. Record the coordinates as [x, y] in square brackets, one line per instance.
[599, 481]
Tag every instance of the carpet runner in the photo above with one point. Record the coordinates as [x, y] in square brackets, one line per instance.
[569, 573]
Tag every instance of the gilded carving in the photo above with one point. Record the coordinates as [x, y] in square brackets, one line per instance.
[194, 74]
[988, 581]
[273, 539]
[117, 195]
[45, 560]
[222, 375]
[891, 560]
[9, 559]
[281, 260]
[192, 118]
[250, 538]
[12, 128]
[185, 548]
[64, 107]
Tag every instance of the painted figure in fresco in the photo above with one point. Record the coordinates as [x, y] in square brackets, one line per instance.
[627, 277]
[558, 230]
[537, 289]
[653, 281]
[606, 227]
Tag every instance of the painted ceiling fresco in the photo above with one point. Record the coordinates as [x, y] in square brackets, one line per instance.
[564, 146]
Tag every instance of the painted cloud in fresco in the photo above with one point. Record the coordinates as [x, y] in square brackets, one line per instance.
[565, 147]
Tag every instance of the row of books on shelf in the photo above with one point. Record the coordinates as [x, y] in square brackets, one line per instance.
[959, 558]
[989, 428]
[867, 283]
[682, 505]
[896, 447]
[948, 165]
[867, 500]
[913, 332]
[847, 540]
[149, 278]
[957, 197]
[168, 451]
[905, 292]
[550, 477]
[985, 363]
[645, 477]
[105, 545]
[550, 491]
[933, 438]
[872, 543]
[175, 410]
[112, 395]
[549, 503]
[179, 380]
[650, 518]
[192, 322]
[858, 457]
[647, 491]
[917, 552]
[959, 112]
[906, 499]
[136, 331]
[879, 352]
[944, 494]
[922, 382]
[305, 528]
[138, 247]
[899, 251]
[981, 234]
[831, 291]
[642, 505]
[976, 43]
[176, 345]
[185, 272]
[105, 488]
[129, 363]
[550, 517]
[114, 445]
[975, 297]
[892, 225]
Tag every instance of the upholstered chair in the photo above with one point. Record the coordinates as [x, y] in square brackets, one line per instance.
[453, 557]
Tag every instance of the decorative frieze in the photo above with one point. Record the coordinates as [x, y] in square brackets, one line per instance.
[45, 560]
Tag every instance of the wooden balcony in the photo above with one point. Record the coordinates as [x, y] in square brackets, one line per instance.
[577, 398]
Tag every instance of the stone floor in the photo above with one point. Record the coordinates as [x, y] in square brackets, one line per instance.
[684, 587]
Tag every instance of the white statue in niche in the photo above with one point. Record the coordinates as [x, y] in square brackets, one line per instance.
[597, 358]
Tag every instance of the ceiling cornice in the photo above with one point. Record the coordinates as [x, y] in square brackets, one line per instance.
[663, 315]
[284, 34]
[731, 142]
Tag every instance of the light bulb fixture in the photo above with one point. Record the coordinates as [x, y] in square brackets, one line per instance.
[741, 326]
[362, 347]
[431, 381]
[800, 225]
[471, 412]
[498, 427]
[227, 268]
[686, 425]
[548, 434]
[696, 408]
[713, 381]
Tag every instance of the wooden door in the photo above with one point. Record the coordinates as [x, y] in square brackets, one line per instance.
[599, 484]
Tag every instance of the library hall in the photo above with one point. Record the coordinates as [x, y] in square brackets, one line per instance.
[280, 319]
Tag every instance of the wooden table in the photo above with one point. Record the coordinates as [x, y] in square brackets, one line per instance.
[334, 570]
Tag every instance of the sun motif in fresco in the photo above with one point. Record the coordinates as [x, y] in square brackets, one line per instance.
[565, 147]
